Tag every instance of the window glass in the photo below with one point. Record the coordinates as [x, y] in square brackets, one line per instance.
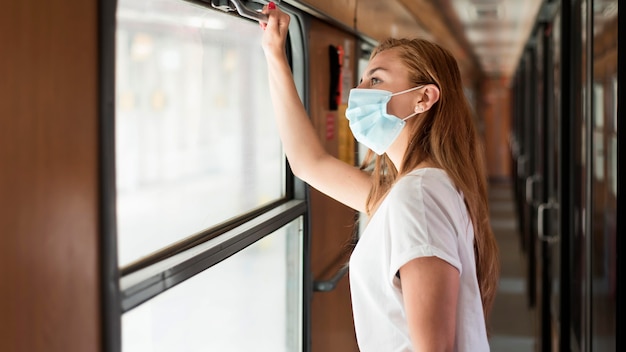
[598, 105]
[614, 112]
[195, 140]
[598, 155]
[603, 255]
[251, 301]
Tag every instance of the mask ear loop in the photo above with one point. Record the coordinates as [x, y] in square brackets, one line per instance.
[408, 117]
[408, 90]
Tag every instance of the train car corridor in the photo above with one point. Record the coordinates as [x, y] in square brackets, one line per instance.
[195, 176]
[512, 321]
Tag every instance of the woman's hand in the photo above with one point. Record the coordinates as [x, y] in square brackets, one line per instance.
[307, 157]
[275, 31]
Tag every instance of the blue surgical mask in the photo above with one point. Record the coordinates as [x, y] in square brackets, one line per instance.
[369, 121]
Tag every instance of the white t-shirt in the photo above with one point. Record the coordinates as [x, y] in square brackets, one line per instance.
[423, 215]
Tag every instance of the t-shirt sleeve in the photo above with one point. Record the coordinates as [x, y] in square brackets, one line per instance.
[421, 222]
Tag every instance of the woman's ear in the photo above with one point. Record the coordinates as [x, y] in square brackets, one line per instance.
[430, 96]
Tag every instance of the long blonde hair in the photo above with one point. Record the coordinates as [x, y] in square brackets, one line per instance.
[444, 135]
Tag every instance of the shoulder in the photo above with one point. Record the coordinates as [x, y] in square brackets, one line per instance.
[429, 191]
[425, 216]
[426, 183]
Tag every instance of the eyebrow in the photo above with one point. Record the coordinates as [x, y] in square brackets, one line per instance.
[372, 71]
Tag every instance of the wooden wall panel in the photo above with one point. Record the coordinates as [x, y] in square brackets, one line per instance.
[341, 10]
[333, 324]
[49, 273]
[402, 19]
[382, 19]
[331, 222]
[374, 18]
[495, 111]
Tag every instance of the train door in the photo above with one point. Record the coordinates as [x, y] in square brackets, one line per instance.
[535, 195]
[518, 149]
[591, 219]
[603, 174]
[538, 93]
[574, 193]
[539, 185]
[547, 230]
[526, 164]
[530, 178]
[206, 230]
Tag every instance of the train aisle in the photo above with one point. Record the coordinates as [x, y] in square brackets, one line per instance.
[512, 321]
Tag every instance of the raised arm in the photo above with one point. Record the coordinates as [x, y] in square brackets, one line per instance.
[307, 157]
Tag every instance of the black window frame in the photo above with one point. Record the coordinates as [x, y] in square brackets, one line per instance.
[122, 289]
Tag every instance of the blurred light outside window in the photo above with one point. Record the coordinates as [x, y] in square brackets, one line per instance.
[251, 301]
[196, 144]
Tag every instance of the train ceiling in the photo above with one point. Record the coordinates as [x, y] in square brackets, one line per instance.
[486, 36]
[495, 30]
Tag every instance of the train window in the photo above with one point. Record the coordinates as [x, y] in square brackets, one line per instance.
[195, 141]
[248, 302]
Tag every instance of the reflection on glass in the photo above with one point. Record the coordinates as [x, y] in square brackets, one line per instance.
[604, 209]
[195, 140]
[613, 165]
[598, 105]
[614, 112]
[598, 155]
[249, 302]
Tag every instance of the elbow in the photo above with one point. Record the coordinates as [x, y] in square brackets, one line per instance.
[305, 167]
[299, 170]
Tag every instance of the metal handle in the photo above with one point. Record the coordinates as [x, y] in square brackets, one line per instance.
[542, 207]
[530, 182]
[326, 286]
[242, 9]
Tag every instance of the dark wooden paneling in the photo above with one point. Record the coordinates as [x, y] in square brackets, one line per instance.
[49, 296]
[494, 109]
[331, 222]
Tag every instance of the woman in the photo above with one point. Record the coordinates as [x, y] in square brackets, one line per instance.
[423, 274]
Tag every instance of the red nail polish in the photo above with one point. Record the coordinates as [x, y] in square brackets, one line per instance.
[271, 5]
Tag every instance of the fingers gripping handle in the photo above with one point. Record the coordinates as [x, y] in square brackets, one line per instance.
[240, 6]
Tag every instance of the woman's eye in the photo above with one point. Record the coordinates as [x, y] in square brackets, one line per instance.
[374, 81]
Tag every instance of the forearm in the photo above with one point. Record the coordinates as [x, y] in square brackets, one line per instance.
[307, 156]
[300, 141]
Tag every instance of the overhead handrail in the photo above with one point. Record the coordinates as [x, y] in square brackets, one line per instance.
[241, 8]
[326, 286]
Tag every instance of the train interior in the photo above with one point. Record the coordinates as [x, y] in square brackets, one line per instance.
[147, 205]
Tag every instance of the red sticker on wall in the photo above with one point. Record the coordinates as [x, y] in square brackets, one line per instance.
[330, 126]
